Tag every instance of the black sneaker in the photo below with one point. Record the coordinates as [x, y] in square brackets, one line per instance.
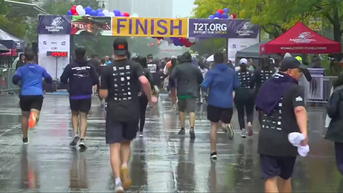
[192, 134]
[82, 144]
[214, 155]
[182, 132]
[75, 140]
[25, 140]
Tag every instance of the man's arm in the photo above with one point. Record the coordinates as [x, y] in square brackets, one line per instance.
[255, 78]
[104, 82]
[94, 76]
[16, 78]
[174, 73]
[236, 82]
[208, 80]
[66, 74]
[47, 77]
[144, 81]
[298, 101]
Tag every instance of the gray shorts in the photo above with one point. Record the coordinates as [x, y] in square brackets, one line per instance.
[188, 105]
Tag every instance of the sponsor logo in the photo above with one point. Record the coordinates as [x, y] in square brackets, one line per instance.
[304, 37]
[56, 25]
[246, 29]
[299, 99]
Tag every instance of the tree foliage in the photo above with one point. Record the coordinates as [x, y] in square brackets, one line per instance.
[61, 7]
[275, 16]
[7, 22]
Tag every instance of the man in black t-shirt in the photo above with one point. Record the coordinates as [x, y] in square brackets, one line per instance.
[121, 82]
[281, 103]
[154, 68]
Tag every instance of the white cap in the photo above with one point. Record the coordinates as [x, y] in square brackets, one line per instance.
[243, 61]
[287, 55]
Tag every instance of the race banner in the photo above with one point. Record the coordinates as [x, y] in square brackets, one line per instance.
[149, 27]
[93, 25]
[54, 24]
[208, 28]
[242, 29]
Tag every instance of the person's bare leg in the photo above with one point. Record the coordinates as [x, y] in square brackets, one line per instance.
[125, 155]
[25, 123]
[192, 119]
[83, 124]
[285, 186]
[182, 119]
[270, 186]
[115, 161]
[75, 121]
[173, 96]
[213, 133]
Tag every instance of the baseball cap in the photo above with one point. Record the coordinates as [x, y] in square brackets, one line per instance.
[287, 55]
[243, 61]
[291, 63]
[149, 56]
[120, 47]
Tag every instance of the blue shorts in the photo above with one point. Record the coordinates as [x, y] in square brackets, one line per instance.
[273, 166]
[172, 83]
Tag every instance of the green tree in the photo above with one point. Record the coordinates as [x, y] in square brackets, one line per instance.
[7, 22]
[61, 7]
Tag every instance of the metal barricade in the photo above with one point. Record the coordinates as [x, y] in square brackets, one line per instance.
[320, 88]
[6, 86]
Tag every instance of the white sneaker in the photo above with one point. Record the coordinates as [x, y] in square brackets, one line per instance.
[119, 188]
[141, 134]
[244, 133]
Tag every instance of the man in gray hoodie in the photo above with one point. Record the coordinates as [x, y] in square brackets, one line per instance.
[188, 78]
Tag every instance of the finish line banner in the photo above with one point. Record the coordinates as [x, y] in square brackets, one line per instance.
[150, 27]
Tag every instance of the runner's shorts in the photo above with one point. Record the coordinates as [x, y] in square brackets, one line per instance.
[82, 105]
[216, 114]
[273, 166]
[117, 132]
[31, 102]
[188, 104]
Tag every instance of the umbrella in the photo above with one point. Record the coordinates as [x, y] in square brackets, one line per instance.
[3, 49]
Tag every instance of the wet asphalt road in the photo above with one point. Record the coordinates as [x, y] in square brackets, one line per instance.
[162, 161]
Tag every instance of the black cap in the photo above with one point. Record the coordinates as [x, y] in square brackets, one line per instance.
[120, 47]
[150, 56]
[291, 63]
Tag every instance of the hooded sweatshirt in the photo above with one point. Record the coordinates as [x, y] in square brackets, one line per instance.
[188, 77]
[221, 82]
[82, 76]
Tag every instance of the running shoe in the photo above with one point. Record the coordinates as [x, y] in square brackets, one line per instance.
[192, 133]
[33, 119]
[140, 134]
[250, 131]
[182, 131]
[125, 177]
[119, 188]
[214, 155]
[230, 131]
[25, 140]
[244, 133]
[75, 140]
[82, 144]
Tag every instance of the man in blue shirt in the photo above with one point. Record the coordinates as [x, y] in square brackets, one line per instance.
[221, 82]
[31, 97]
[82, 76]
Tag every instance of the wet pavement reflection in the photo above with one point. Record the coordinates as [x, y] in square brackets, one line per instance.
[161, 161]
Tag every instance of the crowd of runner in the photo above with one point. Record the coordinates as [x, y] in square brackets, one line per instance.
[129, 85]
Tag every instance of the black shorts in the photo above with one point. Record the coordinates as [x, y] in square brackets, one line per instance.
[273, 166]
[82, 105]
[117, 132]
[31, 102]
[216, 114]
